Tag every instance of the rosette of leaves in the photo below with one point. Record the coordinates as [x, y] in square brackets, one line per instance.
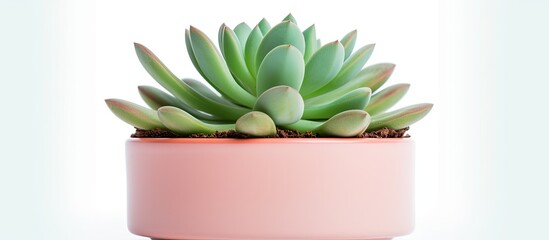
[264, 78]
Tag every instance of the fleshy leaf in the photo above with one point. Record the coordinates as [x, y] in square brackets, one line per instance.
[156, 98]
[220, 38]
[350, 123]
[290, 18]
[353, 65]
[235, 60]
[348, 42]
[356, 99]
[323, 67]
[256, 124]
[282, 34]
[346, 124]
[303, 125]
[191, 53]
[282, 66]
[216, 71]
[182, 91]
[264, 26]
[205, 91]
[371, 76]
[282, 103]
[310, 42]
[349, 70]
[386, 98]
[377, 75]
[183, 123]
[133, 114]
[318, 43]
[242, 31]
[250, 51]
[400, 118]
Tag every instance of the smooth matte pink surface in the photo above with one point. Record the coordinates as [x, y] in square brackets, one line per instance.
[270, 188]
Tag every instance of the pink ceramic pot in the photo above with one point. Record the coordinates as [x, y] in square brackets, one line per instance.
[270, 188]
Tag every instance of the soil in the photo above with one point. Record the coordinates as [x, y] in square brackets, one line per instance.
[387, 133]
[281, 133]
[155, 133]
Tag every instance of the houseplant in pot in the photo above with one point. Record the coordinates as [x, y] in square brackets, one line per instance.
[218, 164]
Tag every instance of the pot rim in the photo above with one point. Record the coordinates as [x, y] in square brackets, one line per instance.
[269, 140]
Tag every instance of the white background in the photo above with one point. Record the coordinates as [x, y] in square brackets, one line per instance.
[481, 164]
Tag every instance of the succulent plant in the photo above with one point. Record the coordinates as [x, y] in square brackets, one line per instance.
[267, 78]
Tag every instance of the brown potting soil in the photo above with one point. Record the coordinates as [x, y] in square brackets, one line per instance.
[387, 133]
[281, 133]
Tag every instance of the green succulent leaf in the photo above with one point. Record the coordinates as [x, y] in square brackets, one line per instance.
[183, 123]
[250, 51]
[353, 65]
[216, 71]
[285, 33]
[377, 75]
[323, 67]
[264, 26]
[386, 98]
[133, 114]
[256, 124]
[282, 66]
[184, 92]
[318, 43]
[205, 91]
[348, 42]
[290, 18]
[371, 77]
[156, 98]
[356, 99]
[282, 103]
[400, 118]
[349, 70]
[310, 42]
[191, 53]
[350, 123]
[242, 31]
[235, 60]
[303, 125]
[220, 37]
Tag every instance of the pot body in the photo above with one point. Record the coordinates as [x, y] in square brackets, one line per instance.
[270, 188]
